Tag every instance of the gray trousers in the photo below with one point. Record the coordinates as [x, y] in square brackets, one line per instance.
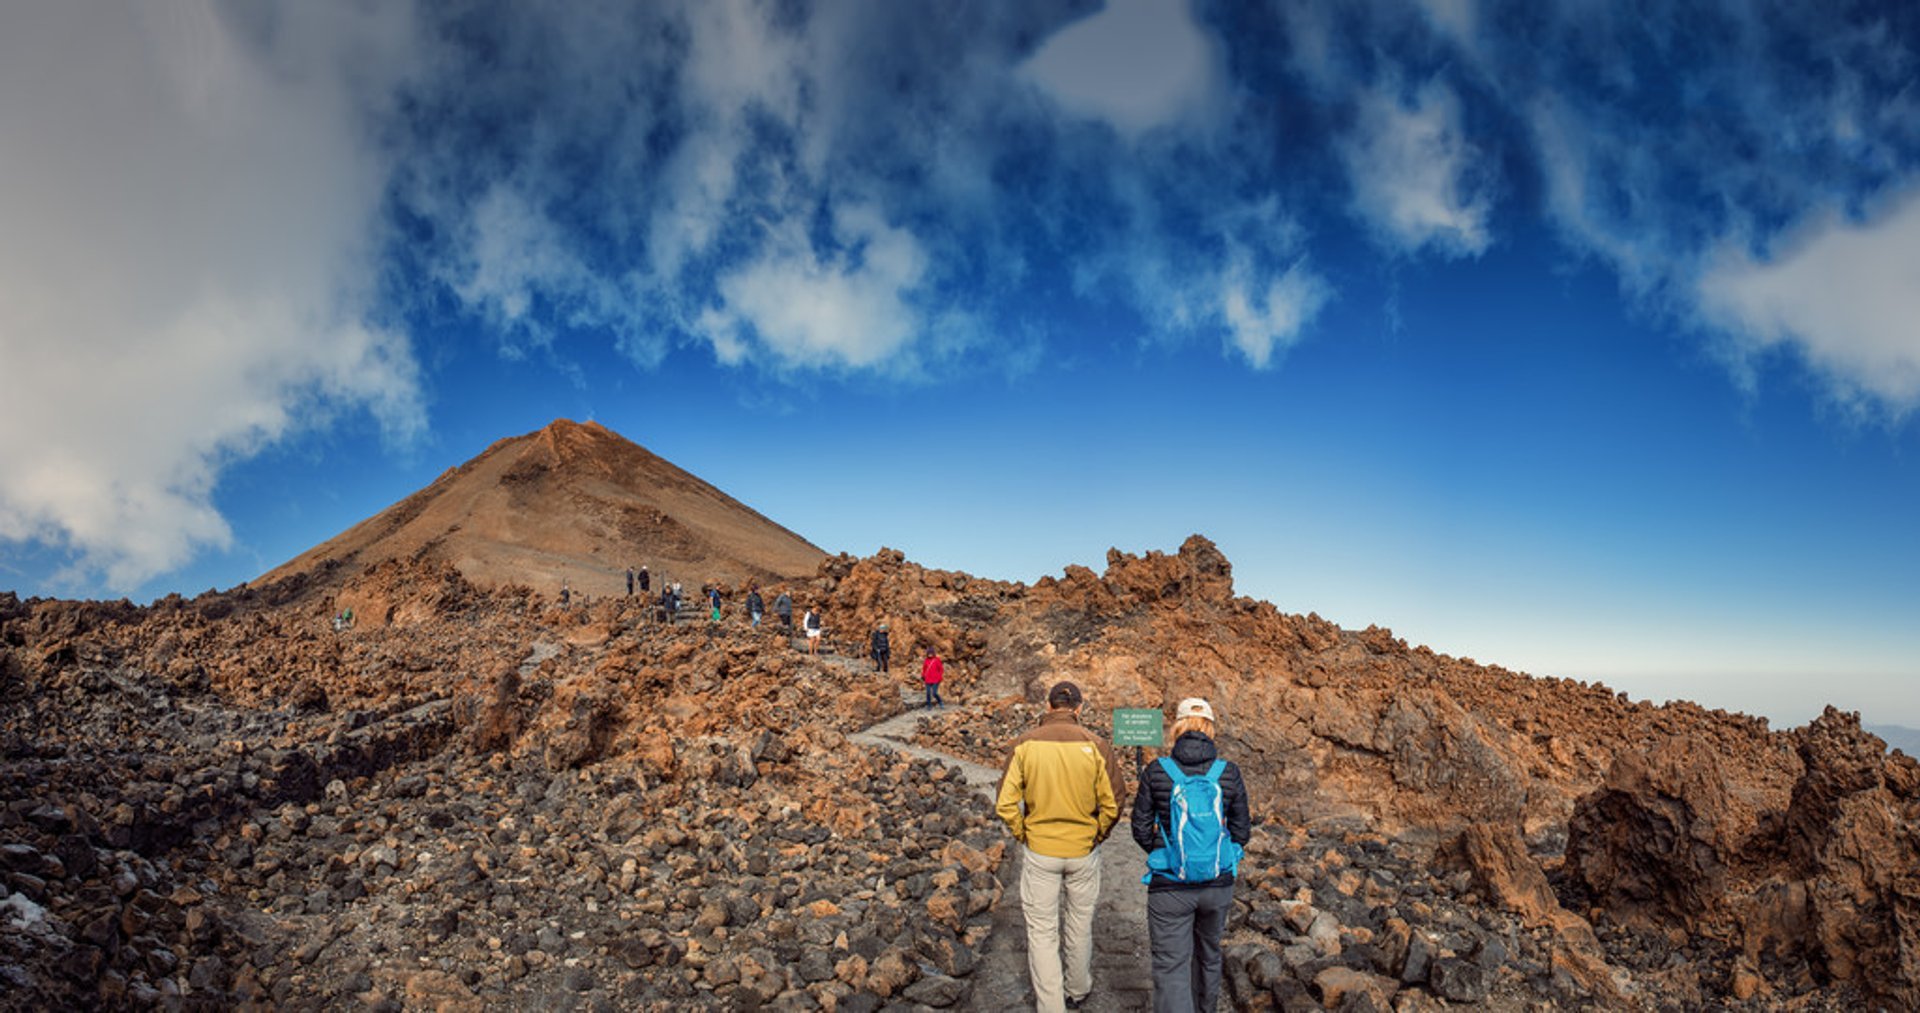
[1184, 927]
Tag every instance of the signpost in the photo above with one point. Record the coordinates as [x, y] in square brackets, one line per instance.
[1138, 727]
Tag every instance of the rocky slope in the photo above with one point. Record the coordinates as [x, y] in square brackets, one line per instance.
[1697, 882]
[476, 798]
[492, 801]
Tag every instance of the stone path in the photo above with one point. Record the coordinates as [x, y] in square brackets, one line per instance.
[894, 733]
[1121, 980]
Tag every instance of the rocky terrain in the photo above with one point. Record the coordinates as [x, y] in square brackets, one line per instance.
[477, 798]
[580, 807]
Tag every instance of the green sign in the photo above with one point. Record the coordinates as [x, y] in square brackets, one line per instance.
[1137, 726]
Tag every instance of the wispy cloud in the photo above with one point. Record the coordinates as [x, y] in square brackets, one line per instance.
[1457, 19]
[1416, 178]
[520, 272]
[1668, 161]
[219, 217]
[847, 305]
[1844, 295]
[1262, 323]
[188, 269]
[846, 188]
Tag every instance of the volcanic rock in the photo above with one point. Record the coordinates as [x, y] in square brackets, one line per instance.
[474, 796]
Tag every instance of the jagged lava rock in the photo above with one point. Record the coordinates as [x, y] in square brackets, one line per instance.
[477, 796]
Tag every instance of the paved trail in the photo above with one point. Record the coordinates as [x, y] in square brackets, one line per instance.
[1121, 982]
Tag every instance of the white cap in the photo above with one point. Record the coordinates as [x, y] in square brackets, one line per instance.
[1193, 707]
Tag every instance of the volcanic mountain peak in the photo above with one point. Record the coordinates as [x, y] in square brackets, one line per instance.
[573, 502]
[581, 448]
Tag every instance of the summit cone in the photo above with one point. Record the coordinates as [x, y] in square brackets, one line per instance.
[573, 502]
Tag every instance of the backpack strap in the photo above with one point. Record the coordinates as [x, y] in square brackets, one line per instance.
[1181, 777]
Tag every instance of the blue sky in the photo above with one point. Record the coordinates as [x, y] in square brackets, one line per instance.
[1568, 336]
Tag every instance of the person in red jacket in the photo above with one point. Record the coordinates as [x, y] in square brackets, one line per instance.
[931, 672]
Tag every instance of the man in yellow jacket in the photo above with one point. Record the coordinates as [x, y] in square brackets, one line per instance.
[1060, 797]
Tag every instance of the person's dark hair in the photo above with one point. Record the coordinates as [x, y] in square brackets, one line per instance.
[1063, 695]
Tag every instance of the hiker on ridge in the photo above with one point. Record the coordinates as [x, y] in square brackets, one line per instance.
[881, 649]
[932, 671]
[713, 599]
[783, 607]
[1190, 870]
[645, 580]
[629, 581]
[1060, 798]
[756, 606]
[812, 625]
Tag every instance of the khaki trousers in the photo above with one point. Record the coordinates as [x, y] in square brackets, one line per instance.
[1053, 926]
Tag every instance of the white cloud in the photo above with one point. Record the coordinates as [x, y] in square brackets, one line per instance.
[1260, 323]
[1137, 64]
[1312, 44]
[1459, 19]
[1416, 179]
[187, 267]
[511, 250]
[1844, 295]
[848, 306]
[760, 132]
[736, 67]
[1573, 171]
[511, 253]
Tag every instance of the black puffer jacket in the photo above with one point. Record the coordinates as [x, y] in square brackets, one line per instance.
[1194, 753]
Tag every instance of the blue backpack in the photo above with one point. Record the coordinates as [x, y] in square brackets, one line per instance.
[1195, 847]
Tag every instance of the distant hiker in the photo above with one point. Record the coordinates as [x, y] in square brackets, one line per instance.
[645, 580]
[783, 607]
[812, 624]
[756, 606]
[1060, 798]
[881, 650]
[1191, 817]
[932, 671]
[629, 581]
[669, 605]
[566, 594]
[713, 599]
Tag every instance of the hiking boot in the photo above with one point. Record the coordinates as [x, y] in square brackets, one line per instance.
[1073, 1003]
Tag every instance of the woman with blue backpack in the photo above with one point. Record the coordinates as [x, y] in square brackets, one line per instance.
[1191, 817]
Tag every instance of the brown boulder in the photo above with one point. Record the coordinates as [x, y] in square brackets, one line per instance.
[1463, 764]
[1339, 985]
[1856, 842]
[1834, 879]
[1199, 570]
[585, 735]
[499, 719]
[1502, 871]
[1654, 842]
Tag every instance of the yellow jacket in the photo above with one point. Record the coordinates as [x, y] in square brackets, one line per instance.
[1061, 793]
